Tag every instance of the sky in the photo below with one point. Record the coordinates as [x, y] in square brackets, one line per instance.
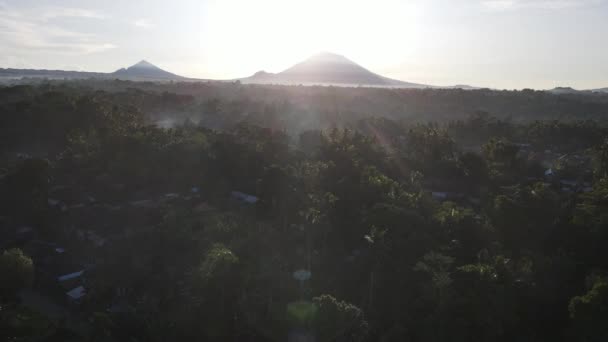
[505, 44]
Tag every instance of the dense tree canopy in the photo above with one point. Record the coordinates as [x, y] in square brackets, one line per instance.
[261, 213]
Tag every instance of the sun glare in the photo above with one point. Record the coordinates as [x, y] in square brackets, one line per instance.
[274, 34]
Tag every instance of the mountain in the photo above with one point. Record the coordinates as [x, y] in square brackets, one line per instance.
[461, 86]
[146, 70]
[328, 69]
[48, 74]
[140, 71]
[570, 90]
[563, 90]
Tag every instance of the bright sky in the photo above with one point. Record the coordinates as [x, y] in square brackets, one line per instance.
[493, 43]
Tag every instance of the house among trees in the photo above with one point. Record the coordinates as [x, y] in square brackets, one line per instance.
[249, 199]
[70, 279]
[76, 294]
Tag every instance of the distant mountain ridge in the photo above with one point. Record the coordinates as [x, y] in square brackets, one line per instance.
[570, 90]
[143, 71]
[321, 69]
[46, 73]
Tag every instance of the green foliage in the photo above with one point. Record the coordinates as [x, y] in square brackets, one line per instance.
[592, 212]
[601, 159]
[438, 266]
[338, 320]
[16, 271]
[590, 313]
[498, 259]
[430, 149]
[302, 313]
[218, 264]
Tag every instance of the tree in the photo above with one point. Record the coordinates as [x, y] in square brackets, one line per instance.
[589, 313]
[430, 150]
[338, 320]
[591, 218]
[526, 216]
[438, 267]
[601, 169]
[500, 151]
[213, 106]
[215, 292]
[16, 272]
[217, 265]
[474, 169]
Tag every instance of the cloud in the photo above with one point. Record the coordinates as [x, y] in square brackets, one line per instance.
[498, 4]
[12, 61]
[34, 29]
[92, 48]
[65, 12]
[503, 5]
[143, 23]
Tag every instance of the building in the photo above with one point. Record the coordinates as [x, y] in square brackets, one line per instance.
[70, 280]
[76, 294]
[250, 199]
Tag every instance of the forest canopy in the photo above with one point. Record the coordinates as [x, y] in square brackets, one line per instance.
[218, 211]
